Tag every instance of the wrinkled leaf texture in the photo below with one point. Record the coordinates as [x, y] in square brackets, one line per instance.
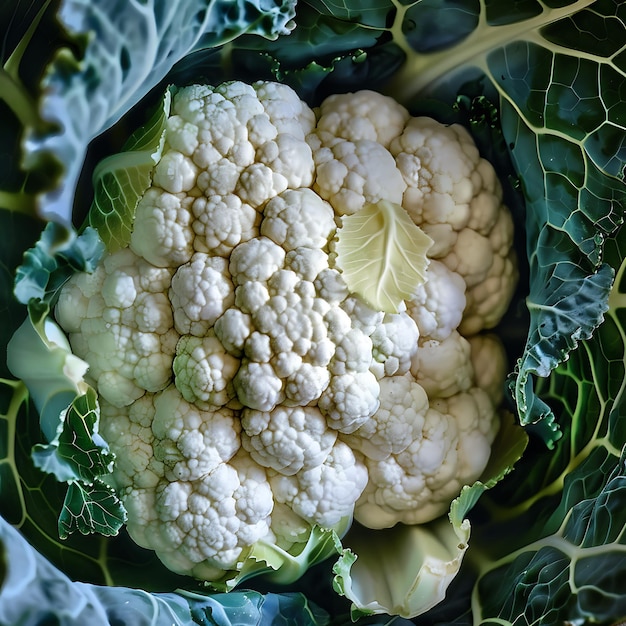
[555, 550]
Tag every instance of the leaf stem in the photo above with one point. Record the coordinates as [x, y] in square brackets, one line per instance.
[19, 100]
[18, 202]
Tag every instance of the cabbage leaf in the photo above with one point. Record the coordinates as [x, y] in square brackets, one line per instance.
[555, 546]
[120, 180]
[35, 592]
[110, 55]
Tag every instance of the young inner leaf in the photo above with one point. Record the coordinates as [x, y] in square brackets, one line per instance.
[382, 255]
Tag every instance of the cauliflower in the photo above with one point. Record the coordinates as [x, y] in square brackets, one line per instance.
[248, 393]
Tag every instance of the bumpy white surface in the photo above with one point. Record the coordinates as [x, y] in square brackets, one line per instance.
[246, 393]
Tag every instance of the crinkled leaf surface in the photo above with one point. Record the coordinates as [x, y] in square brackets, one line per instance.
[381, 253]
[91, 508]
[556, 547]
[68, 416]
[58, 254]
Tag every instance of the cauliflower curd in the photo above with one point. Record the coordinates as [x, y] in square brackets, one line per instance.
[246, 392]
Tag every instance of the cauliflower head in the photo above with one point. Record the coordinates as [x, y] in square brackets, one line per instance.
[248, 394]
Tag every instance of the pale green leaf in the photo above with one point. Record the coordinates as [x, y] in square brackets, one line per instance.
[121, 179]
[382, 254]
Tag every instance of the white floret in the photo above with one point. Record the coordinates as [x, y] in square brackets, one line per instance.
[162, 232]
[354, 350]
[258, 183]
[126, 331]
[287, 439]
[258, 386]
[204, 371]
[490, 364]
[352, 174]
[201, 291]
[306, 384]
[221, 223]
[191, 442]
[478, 423]
[398, 421]
[256, 259]
[350, 400]
[286, 111]
[444, 368]
[489, 294]
[365, 114]
[298, 218]
[326, 493]
[331, 287]
[128, 432]
[307, 262]
[363, 316]
[290, 159]
[175, 172]
[417, 484]
[201, 527]
[251, 296]
[438, 304]
[394, 343]
[233, 329]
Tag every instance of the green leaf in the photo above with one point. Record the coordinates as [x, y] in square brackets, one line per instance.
[19, 233]
[555, 544]
[77, 445]
[381, 253]
[58, 254]
[30, 39]
[93, 508]
[282, 567]
[39, 354]
[120, 180]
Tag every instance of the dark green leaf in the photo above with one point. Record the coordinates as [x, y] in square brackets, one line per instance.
[91, 509]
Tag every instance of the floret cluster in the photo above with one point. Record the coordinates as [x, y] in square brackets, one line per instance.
[246, 392]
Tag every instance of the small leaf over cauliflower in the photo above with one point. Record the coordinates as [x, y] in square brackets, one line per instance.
[248, 394]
